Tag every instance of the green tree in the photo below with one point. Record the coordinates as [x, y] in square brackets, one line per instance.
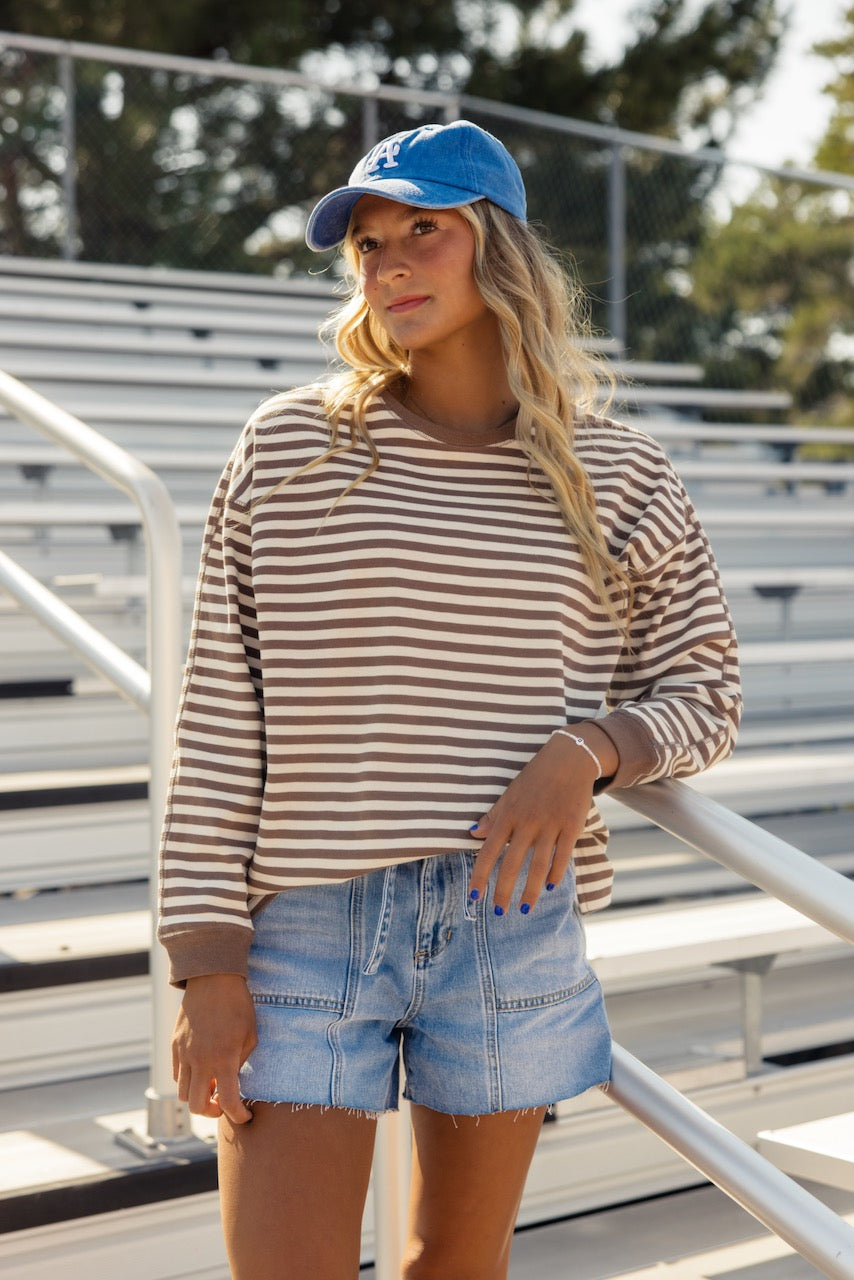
[777, 278]
[836, 149]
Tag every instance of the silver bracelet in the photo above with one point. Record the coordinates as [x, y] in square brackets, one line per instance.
[579, 742]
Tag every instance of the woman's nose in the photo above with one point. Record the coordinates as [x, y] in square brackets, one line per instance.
[392, 264]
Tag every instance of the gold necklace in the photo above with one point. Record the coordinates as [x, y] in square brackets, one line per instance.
[452, 437]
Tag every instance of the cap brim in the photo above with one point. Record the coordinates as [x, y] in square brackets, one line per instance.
[330, 217]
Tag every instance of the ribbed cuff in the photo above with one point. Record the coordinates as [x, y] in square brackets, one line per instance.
[635, 746]
[205, 949]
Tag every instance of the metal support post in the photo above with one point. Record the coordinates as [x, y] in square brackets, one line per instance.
[617, 245]
[370, 124]
[392, 1168]
[168, 1120]
[752, 970]
[69, 146]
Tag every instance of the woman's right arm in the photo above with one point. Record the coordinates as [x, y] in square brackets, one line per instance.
[215, 789]
[212, 812]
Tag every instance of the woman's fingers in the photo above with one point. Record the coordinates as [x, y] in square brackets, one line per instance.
[545, 873]
[195, 1086]
[562, 855]
[214, 1035]
[511, 856]
[494, 840]
[228, 1100]
[519, 854]
[213, 1095]
[201, 1096]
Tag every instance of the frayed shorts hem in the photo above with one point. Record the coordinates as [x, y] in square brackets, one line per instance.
[372, 1113]
[361, 1113]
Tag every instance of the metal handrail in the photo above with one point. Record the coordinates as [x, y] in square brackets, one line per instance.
[752, 853]
[167, 1118]
[813, 1230]
[816, 891]
[100, 653]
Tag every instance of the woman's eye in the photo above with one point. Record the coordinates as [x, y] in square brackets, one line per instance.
[423, 225]
[366, 244]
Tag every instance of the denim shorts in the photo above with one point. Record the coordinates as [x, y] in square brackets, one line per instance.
[489, 1013]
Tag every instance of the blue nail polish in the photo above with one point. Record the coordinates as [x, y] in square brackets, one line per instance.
[474, 827]
[525, 908]
[474, 895]
[499, 911]
[549, 888]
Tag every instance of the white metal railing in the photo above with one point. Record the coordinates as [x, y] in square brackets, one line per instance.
[104, 657]
[813, 1230]
[816, 891]
[168, 1120]
[756, 855]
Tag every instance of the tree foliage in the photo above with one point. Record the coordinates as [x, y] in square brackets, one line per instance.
[836, 149]
[778, 276]
[193, 171]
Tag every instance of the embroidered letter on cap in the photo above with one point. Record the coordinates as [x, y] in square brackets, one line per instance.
[385, 154]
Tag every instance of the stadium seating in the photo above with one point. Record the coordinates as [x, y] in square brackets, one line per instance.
[168, 365]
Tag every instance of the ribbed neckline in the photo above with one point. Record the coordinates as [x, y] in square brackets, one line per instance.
[425, 429]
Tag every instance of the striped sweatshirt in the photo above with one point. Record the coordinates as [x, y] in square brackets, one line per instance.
[365, 678]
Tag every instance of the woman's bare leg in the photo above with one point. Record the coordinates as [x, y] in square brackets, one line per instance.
[468, 1174]
[292, 1189]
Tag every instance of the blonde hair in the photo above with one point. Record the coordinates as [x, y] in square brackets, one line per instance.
[542, 313]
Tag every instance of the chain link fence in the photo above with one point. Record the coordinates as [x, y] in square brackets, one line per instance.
[120, 157]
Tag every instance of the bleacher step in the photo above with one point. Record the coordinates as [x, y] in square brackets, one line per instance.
[75, 935]
[44, 788]
[821, 1150]
[629, 945]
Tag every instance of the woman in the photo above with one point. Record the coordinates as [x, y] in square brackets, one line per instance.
[441, 604]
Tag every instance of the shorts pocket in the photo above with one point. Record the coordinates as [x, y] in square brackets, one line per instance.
[540, 958]
[300, 954]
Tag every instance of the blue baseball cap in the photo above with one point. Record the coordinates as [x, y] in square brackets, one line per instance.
[436, 166]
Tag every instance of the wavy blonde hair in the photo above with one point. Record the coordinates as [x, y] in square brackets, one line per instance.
[542, 313]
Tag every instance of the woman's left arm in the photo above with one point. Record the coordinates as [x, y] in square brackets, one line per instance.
[674, 703]
[673, 708]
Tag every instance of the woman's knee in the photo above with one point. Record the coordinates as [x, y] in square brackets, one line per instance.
[444, 1261]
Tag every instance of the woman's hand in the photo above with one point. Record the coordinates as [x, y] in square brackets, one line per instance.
[543, 812]
[214, 1035]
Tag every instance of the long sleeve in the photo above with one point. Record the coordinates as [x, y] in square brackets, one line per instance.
[675, 701]
[215, 790]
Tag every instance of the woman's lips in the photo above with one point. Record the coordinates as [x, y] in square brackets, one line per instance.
[406, 304]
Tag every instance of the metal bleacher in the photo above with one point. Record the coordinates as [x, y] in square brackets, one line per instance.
[168, 365]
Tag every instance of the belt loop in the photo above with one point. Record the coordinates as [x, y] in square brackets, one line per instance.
[467, 864]
[383, 923]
